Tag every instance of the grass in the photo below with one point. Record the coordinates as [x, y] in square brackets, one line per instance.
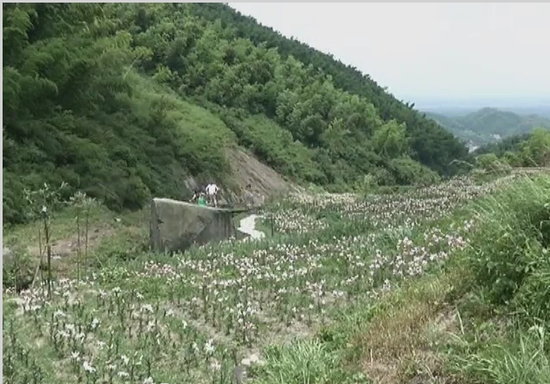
[64, 225]
[304, 362]
[374, 289]
[404, 322]
[519, 357]
[509, 276]
[473, 321]
[110, 236]
[267, 226]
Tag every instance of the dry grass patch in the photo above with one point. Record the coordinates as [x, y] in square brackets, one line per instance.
[399, 345]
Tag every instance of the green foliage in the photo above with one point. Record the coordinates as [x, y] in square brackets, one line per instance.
[490, 163]
[512, 268]
[430, 144]
[516, 359]
[305, 362]
[94, 95]
[536, 150]
[17, 268]
[486, 161]
[513, 159]
[275, 146]
[509, 144]
[503, 123]
[383, 176]
[406, 171]
[390, 139]
[368, 184]
[231, 61]
[75, 111]
[532, 150]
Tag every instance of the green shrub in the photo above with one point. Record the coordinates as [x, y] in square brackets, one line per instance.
[367, 184]
[17, 268]
[513, 267]
[383, 176]
[512, 158]
[406, 171]
[489, 162]
[276, 147]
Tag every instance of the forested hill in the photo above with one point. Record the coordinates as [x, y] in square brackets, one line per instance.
[125, 101]
[489, 125]
[431, 145]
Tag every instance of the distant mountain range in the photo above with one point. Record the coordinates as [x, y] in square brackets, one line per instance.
[458, 107]
[488, 125]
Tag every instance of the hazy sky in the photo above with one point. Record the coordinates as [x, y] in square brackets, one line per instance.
[428, 50]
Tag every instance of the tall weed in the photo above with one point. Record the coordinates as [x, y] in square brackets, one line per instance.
[508, 254]
[520, 360]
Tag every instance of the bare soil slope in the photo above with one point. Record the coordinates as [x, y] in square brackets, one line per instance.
[263, 179]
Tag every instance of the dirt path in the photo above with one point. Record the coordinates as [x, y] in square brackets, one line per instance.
[248, 226]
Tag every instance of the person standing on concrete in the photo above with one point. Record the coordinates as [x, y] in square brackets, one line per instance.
[212, 192]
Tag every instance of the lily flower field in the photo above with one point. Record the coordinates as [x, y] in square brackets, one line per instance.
[297, 306]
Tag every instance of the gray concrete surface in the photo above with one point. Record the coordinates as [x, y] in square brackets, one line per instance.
[176, 225]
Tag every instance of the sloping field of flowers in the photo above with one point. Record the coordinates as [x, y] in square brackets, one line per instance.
[307, 213]
[192, 318]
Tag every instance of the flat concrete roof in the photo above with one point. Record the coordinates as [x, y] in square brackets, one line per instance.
[230, 210]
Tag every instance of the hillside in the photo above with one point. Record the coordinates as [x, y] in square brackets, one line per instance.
[489, 125]
[430, 145]
[125, 101]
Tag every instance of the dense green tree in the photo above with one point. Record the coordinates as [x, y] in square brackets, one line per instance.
[536, 151]
[390, 140]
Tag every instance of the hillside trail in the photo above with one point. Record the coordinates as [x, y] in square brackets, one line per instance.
[248, 226]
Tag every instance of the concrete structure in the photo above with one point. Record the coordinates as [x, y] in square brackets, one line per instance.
[176, 225]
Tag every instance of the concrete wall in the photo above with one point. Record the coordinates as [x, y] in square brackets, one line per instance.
[176, 225]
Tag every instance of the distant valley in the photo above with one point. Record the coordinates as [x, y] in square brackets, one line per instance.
[487, 125]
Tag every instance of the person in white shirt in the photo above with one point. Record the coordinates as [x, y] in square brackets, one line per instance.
[212, 192]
